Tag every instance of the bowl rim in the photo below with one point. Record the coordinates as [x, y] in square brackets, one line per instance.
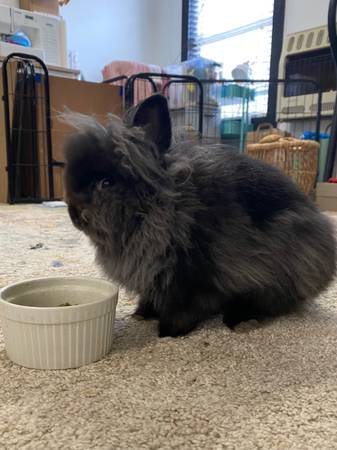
[58, 308]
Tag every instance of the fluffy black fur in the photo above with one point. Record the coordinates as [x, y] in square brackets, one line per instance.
[195, 231]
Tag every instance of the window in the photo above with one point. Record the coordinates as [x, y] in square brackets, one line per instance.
[237, 33]
[232, 33]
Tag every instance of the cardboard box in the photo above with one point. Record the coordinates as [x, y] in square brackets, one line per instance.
[44, 6]
[80, 96]
[85, 97]
[326, 196]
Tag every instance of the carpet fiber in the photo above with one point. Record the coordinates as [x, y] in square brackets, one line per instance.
[271, 386]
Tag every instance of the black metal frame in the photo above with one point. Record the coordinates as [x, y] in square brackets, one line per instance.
[10, 167]
[130, 84]
[276, 49]
[331, 155]
[184, 30]
[115, 79]
[188, 79]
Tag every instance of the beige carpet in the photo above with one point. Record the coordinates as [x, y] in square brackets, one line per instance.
[268, 387]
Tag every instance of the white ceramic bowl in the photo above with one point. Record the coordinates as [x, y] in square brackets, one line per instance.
[41, 334]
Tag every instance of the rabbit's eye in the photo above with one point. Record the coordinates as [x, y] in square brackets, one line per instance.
[104, 183]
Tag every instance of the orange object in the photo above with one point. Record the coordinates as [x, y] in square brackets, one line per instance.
[116, 68]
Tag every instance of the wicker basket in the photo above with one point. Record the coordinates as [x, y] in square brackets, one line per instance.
[296, 158]
[263, 129]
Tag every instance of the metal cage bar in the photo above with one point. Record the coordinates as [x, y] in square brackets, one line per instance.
[170, 80]
[130, 86]
[189, 79]
[30, 60]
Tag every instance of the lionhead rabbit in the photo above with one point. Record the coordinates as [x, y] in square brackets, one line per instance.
[195, 231]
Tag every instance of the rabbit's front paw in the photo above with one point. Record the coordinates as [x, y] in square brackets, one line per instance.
[240, 309]
[178, 324]
[145, 311]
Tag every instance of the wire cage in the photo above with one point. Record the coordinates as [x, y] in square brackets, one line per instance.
[27, 126]
[238, 113]
[230, 111]
[238, 107]
[184, 94]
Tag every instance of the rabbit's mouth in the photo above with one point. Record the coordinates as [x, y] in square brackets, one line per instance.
[81, 220]
[78, 217]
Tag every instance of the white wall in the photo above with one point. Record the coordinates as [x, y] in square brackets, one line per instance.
[166, 31]
[14, 3]
[146, 31]
[303, 14]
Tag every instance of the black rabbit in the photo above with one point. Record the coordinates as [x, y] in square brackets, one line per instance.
[194, 230]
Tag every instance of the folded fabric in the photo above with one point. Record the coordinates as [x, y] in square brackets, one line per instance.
[142, 88]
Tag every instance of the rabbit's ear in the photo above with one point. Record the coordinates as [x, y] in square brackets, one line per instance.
[154, 116]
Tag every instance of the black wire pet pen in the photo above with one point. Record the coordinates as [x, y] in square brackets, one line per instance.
[28, 129]
[227, 110]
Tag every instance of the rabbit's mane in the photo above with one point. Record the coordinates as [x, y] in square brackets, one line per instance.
[138, 156]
